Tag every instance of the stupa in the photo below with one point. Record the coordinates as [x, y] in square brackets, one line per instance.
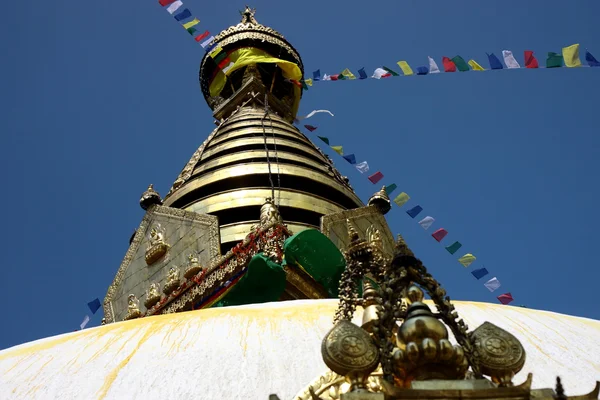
[262, 275]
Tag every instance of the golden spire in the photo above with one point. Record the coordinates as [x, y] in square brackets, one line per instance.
[248, 16]
[381, 201]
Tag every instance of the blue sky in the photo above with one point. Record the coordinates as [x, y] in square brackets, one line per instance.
[99, 99]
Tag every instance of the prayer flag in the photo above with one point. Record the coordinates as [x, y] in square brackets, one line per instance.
[422, 71]
[362, 74]
[509, 59]
[394, 73]
[591, 60]
[313, 112]
[433, 67]
[304, 85]
[348, 74]
[390, 188]
[309, 81]
[460, 64]
[193, 22]
[351, 158]
[492, 284]
[475, 66]
[505, 298]
[310, 128]
[530, 61]
[183, 15]
[338, 149]
[448, 65]
[554, 60]
[453, 248]
[426, 222]
[317, 75]
[174, 6]
[326, 77]
[86, 319]
[439, 234]
[494, 62]
[165, 2]
[191, 31]
[479, 273]
[413, 212]
[401, 199]
[323, 138]
[334, 77]
[467, 259]
[227, 68]
[381, 73]
[94, 305]
[362, 167]
[571, 56]
[376, 177]
[207, 42]
[202, 36]
[406, 70]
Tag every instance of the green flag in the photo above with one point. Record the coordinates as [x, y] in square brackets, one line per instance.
[191, 30]
[460, 64]
[554, 60]
[394, 73]
[390, 188]
[323, 138]
[453, 248]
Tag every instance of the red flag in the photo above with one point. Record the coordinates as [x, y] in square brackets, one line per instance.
[505, 298]
[376, 177]
[224, 63]
[310, 128]
[530, 61]
[202, 36]
[449, 65]
[165, 2]
[334, 77]
[439, 234]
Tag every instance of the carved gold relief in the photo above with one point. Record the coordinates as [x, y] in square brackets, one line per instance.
[133, 308]
[157, 247]
[152, 295]
[172, 280]
[193, 266]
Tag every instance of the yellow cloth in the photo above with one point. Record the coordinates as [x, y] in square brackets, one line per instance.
[401, 199]
[475, 66]
[338, 149]
[467, 259]
[406, 70]
[571, 56]
[191, 23]
[216, 52]
[348, 74]
[308, 81]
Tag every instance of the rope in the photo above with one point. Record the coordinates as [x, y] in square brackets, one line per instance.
[276, 161]
[262, 123]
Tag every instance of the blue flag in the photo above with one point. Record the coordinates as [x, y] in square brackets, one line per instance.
[317, 75]
[494, 62]
[362, 74]
[422, 70]
[350, 158]
[413, 212]
[591, 60]
[479, 273]
[183, 15]
[94, 305]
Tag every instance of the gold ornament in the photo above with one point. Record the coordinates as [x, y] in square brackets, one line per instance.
[157, 247]
[193, 266]
[152, 295]
[172, 280]
[133, 308]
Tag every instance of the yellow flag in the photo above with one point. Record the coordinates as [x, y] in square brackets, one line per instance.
[401, 199]
[405, 67]
[571, 56]
[308, 81]
[338, 149]
[467, 259]
[475, 66]
[348, 74]
[191, 23]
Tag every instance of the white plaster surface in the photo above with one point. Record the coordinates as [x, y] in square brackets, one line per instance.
[252, 351]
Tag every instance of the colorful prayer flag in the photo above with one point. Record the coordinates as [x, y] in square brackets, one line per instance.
[347, 74]
[202, 36]
[323, 138]
[394, 73]
[335, 77]
[94, 305]
[494, 61]
[460, 64]
[326, 77]
[304, 85]
[86, 319]
[174, 6]
[165, 2]
[433, 67]
[406, 70]
[351, 158]
[426, 222]
[554, 60]
[183, 15]
[401, 199]
[390, 188]
[448, 65]
[571, 56]
[309, 81]
[505, 298]
[422, 71]
[207, 43]
[191, 31]
[591, 60]
[453, 248]
[530, 61]
[193, 22]
[311, 128]
[313, 112]
[376, 177]
[362, 74]
[381, 73]
[492, 284]
[509, 59]
[338, 149]
[317, 75]
[439, 234]
[362, 167]
[479, 273]
[475, 66]
[467, 259]
[413, 212]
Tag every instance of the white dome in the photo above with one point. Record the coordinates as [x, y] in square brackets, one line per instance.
[252, 351]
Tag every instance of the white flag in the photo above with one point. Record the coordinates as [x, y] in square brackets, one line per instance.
[85, 321]
[379, 73]
[313, 112]
[174, 6]
[492, 284]
[362, 167]
[326, 77]
[433, 68]
[426, 222]
[207, 42]
[509, 59]
[227, 68]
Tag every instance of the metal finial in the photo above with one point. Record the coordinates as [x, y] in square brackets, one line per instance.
[248, 16]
